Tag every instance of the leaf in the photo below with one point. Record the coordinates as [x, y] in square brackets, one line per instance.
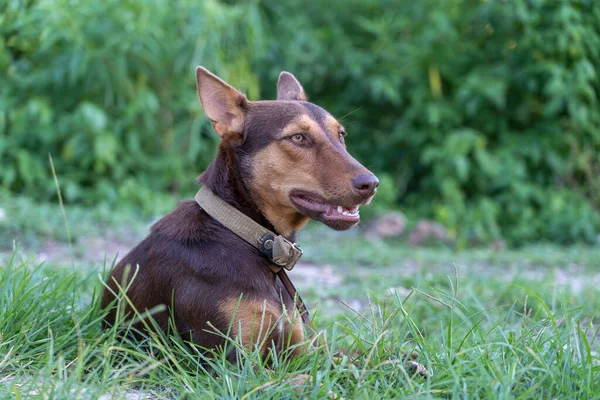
[93, 116]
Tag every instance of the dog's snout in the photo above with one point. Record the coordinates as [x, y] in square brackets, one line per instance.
[365, 184]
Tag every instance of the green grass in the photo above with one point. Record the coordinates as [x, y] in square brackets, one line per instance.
[486, 324]
[31, 223]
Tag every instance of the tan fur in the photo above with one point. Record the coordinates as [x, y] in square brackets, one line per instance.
[259, 323]
[281, 167]
[303, 123]
[333, 126]
[221, 103]
[297, 334]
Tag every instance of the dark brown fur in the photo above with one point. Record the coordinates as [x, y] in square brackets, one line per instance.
[199, 269]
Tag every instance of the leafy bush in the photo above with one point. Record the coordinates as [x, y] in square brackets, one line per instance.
[108, 88]
[484, 114]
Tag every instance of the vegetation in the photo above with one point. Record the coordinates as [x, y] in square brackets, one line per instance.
[486, 324]
[481, 114]
[480, 332]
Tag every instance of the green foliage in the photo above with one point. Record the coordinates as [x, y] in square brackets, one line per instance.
[108, 88]
[30, 223]
[483, 113]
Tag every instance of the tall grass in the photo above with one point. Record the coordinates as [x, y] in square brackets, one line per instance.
[52, 345]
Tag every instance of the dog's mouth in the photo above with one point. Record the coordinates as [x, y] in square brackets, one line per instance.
[333, 215]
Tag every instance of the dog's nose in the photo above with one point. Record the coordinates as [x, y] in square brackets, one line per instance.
[365, 184]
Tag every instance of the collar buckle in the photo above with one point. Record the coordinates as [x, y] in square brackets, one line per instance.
[280, 250]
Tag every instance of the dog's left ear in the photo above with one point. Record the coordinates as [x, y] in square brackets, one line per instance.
[288, 88]
[222, 104]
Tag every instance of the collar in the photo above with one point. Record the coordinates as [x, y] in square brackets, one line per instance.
[281, 252]
[278, 249]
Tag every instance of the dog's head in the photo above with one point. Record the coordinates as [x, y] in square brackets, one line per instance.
[290, 154]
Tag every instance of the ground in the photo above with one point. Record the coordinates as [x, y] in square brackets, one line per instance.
[486, 323]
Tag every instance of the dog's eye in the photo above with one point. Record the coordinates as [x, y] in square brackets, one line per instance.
[342, 135]
[298, 138]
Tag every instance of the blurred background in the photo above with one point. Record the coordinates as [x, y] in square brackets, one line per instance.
[480, 116]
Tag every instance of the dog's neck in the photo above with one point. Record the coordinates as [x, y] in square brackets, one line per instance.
[223, 178]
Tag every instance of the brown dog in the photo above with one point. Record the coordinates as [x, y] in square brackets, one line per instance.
[280, 163]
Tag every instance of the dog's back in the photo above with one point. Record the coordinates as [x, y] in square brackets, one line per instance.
[192, 264]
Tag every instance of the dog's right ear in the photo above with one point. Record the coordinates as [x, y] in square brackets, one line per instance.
[222, 104]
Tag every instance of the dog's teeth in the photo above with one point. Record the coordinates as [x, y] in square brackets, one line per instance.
[339, 209]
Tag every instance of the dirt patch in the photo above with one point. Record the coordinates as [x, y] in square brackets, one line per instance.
[88, 252]
[95, 252]
[325, 275]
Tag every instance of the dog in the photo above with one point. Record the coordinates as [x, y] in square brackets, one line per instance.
[279, 163]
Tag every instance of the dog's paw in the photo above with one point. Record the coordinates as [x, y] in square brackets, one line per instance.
[416, 368]
[298, 380]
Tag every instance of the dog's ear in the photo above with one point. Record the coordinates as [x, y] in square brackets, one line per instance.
[288, 88]
[222, 104]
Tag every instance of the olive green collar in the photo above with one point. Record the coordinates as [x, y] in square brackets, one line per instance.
[278, 249]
